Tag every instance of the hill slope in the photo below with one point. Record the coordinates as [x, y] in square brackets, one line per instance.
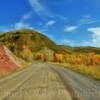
[23, 42]
[32, 45]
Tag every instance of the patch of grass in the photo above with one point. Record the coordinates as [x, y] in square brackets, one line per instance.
[92, 71]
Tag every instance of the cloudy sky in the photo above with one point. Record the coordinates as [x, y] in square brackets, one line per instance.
[68, 22]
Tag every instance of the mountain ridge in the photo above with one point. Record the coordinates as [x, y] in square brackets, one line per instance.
[51, 42]
[32, 45]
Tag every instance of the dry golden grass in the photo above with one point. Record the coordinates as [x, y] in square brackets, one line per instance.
[92, 71]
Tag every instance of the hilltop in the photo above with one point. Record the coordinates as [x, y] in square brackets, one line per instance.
[23, 42]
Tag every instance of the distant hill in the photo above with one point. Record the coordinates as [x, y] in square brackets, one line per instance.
[32, 45]
[81, 49]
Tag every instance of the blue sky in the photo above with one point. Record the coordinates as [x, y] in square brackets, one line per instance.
[68, 22]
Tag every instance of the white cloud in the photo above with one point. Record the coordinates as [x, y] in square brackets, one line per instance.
[40, 9]
[95, 36]
[16, 26]
[50, 23]
[70, 28]
[66, 41]
[22, 25]
[87, 19]
[61, 17]
[27, 16]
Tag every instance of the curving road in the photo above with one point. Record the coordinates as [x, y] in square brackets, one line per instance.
[43, 81]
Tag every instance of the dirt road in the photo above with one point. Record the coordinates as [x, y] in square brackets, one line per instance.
[38, 82]
[43, 81]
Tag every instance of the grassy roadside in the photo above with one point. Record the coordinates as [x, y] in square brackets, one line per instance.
[18, 69]
[91, 71]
